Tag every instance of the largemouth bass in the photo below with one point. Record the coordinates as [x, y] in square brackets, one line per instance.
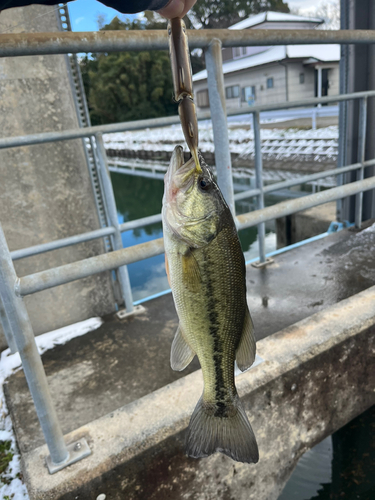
[206, 271]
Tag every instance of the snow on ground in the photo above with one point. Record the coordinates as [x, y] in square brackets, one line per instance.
[279, 143]
[11, 485]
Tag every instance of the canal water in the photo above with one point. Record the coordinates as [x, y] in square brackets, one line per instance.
[342, 467]
[138, 197]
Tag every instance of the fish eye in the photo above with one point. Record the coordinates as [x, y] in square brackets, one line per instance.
[204, 184]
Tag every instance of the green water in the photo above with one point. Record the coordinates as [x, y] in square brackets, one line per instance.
[342, 467]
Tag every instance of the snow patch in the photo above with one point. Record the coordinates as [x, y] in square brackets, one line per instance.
[278, 143]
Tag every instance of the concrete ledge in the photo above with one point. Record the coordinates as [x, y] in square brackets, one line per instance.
[317, 375]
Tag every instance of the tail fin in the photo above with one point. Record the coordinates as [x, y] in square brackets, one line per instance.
[231, 435]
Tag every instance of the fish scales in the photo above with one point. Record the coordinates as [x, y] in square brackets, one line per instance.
[206, 270]
[218, 310]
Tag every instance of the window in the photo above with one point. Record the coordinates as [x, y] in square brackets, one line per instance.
[239, 52]
[248, 94]
[232, 92]
[270, 83]
[202, 99]
[302, 78]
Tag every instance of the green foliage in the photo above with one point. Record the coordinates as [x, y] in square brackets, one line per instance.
[223, 13]
[6, 456]
[128, 85]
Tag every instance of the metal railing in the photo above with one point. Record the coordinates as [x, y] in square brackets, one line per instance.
[13, 314]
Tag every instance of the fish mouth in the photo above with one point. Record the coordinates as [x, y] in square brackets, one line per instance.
[177, 160]
[180, 175]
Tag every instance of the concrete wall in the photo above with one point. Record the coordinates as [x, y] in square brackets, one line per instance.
[305, 224]
[45, 190]
[315, 377]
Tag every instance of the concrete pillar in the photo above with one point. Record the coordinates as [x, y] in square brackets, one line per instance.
[45, 190]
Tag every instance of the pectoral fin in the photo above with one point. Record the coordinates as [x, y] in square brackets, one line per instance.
[245, 354]
[167, 268]
[190, 272]
[181, 353]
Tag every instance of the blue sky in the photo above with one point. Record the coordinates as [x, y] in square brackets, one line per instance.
[84, 14]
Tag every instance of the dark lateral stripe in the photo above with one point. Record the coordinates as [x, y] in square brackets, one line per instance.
[214, 332]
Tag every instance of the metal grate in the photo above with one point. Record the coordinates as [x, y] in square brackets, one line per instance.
[83, 116]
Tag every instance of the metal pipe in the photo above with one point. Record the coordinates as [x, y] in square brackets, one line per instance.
[362, 121]
[29, 44]
[152, 219]
[81, 238]
[32, 364]
[100, 263]
[289, 207]
[139, 173]
[109, 197]
[87, 267]
[215, 79]
[63, 242]
[145, 221]
[26, 140]
[302, 180]
[259, 184]
[7, 329]
[343, 106]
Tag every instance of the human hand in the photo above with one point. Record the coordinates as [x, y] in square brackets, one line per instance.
[176, 8]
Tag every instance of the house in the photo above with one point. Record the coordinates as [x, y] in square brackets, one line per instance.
[260, 75]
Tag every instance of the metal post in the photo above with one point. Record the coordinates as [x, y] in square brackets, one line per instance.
[112, 214]
[15, 310]
[259, 184]
[215, 80]
[31, 362]
[313, 118]
[343, 105]
[7, 329]
[361, 158]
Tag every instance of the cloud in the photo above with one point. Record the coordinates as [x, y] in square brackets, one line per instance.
[78, 20]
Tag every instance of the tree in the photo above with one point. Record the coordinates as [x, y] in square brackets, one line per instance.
[223, 13]
[330, 12]
[128, 85]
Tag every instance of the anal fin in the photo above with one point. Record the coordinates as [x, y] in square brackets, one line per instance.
[245, 354]
[181, 353]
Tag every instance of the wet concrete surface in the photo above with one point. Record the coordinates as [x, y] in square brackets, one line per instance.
[124, 360]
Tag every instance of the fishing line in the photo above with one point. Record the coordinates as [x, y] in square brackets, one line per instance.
[60, 6]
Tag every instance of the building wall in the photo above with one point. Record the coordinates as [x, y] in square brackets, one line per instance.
[333, 76]
[45, 189]
[254, 77]
[296, 90]
[258, 77]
